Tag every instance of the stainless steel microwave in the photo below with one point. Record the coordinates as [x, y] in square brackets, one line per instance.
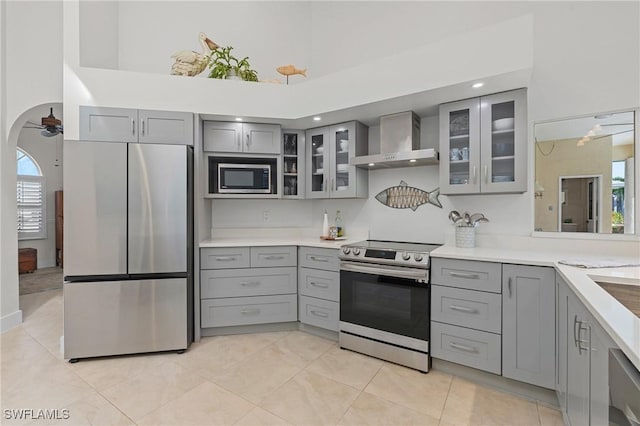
[241, 175]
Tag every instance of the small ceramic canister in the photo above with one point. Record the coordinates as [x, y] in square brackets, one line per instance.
[333, 232]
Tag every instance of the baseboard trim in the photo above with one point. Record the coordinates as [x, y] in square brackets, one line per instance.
[10, 321]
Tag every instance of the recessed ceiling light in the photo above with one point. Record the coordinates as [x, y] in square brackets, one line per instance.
[317, 118]
[477, 85]
[413, 160]
[238, 119]
[372, 164]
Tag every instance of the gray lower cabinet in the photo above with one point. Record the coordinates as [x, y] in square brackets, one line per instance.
[466, 308]
[248, 285]
[477, 349]
[528, 327]
[104, 124]
[469, 274]
[319, 287]
[583, 379]
[562, 337]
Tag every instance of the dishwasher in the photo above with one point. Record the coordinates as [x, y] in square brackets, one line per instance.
[624, 390]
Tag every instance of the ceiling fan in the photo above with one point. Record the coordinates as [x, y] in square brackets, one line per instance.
[50, 125]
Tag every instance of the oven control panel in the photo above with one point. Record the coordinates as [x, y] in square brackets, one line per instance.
[386, 256]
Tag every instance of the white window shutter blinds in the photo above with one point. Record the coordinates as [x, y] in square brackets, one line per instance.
[31, 211]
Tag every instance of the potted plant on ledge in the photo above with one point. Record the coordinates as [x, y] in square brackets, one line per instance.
[226, 66]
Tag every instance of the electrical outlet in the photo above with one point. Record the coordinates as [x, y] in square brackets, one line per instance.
[265, 216]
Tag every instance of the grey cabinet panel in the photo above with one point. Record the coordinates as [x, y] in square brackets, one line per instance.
[467, 308]
[165, 127]
[261, 138]
[319, 258]
[528, 331]
[216, 283]
[599, 374]
[262, 257]
[222, 137]
[108, 124]
[469, 274]
[318, 283]
[224, 257]
[578, 363]
[319, 313]
[562, 337]
[95, 181]
[477, 349]
[248, 310]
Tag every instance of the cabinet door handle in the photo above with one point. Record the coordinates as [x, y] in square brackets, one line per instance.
[475, 174]
[333, 184]
[509, 287]
[463, 309]
[250, 311]
[486, 173]
[580, 340]
[143, 127]
[319, 314]
[575, 333]
[250, 283]
[248, 140]
[315, 284]
[464, 275]
[274, 257]
[319, 259]
[225, 259]
[133, 126]
[463, 347]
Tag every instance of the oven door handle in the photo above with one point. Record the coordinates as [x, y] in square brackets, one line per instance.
[390, 271]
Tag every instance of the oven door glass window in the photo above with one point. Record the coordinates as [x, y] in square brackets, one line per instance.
[395, 305]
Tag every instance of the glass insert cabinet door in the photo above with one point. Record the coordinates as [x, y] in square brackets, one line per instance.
[342, 139]
[293, 164]
[318, 162]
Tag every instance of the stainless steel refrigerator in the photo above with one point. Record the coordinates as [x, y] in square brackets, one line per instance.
[128, 243]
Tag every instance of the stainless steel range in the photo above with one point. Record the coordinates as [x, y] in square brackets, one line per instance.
[384, 301]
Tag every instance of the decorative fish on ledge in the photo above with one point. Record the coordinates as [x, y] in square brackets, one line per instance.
[404, 196]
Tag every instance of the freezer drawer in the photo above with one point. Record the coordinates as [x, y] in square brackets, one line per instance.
[124, 317]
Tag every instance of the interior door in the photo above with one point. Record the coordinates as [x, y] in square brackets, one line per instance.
[95, 207]
[157, 208]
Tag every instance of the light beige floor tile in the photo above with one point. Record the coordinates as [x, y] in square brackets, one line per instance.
[426, 393]
[256, 376]
[103, 373]
[144, 393]
[346, 367]
[260, 417]
[300, 348]
[471, 404]
[206, 404]
[42, 301]
[550, 416]
[310, 399]
[370, 410]
[92, 410]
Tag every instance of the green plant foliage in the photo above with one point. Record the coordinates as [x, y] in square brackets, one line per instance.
[617, 218]
[222, 61]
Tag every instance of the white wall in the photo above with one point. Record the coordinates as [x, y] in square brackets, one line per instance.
[99, 28]
[32, 69]
[47, 152]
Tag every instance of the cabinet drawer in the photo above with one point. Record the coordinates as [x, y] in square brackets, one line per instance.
[247, 282]
[320, 313]
[248, 310]
[469, 274]
[318, 283]
[467, 308]
[273, 256]
[319, 258]
[224, 257]
[473, 348]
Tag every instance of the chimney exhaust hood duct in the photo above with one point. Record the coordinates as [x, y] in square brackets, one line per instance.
[399, 144]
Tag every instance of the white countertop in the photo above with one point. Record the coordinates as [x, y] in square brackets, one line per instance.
[278, 241]
[621, 324]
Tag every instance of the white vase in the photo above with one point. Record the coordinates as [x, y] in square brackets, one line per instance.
[465, 236]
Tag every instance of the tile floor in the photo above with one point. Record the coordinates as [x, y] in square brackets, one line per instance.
[262, 379]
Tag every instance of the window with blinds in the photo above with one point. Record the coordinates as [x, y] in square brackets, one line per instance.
[30, 198]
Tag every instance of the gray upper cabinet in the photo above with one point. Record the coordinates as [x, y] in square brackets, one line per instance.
[248, 138]
[483, 144]
[329, 174]
[528, 328]
[104, 124]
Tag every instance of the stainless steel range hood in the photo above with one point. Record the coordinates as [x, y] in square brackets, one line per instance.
[399, 144]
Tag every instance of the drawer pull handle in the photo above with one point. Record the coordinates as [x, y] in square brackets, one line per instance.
[463, 347]
[319, 259]
[250, 283]
[463, 309]
[250, 311]
[274, 257]
[464, 275]
[315, 284]
[509, 285]
[319, 314]
[225, 259]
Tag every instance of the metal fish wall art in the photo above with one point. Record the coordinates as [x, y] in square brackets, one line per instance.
[404, 196]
